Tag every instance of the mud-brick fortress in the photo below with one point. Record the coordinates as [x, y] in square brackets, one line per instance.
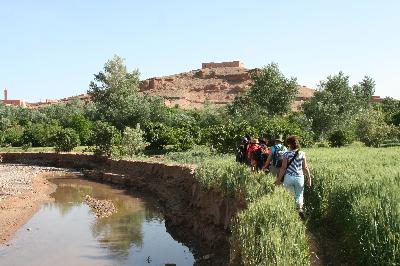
[6, 101]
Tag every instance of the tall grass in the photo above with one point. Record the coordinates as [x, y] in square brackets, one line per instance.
[269, 233]
[358, 189]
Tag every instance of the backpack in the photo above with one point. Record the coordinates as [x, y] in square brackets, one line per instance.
[260, 157]
[278, 155]
[241, 154]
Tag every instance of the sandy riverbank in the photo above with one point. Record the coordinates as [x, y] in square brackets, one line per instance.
[23, 189]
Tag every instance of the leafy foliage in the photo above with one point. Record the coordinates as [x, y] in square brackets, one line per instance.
[40, 134]
[133, 141]
[341, 137]
[105, 138]
[115, 92]
[66, 140]
[271, 93]
[336, 104]
[372, 129]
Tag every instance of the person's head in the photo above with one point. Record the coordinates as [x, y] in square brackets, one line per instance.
[262, 141]
[245, 140]
[293, 142]
[253, 141]
[279, 140]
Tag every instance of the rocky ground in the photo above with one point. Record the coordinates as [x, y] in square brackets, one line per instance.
[22, 190]
[102, 208]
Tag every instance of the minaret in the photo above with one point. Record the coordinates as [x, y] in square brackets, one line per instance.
[5, 94]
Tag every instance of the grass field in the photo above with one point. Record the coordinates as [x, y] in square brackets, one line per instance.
[355, 189]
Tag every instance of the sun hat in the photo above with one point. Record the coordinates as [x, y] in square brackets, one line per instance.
[280, 138]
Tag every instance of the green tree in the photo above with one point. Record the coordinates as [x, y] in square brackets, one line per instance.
[391, 109]
[115, 93]
[66, 140]
[364, 91]
[332, 107]
[40, 134]
[82, 126]
[133, 141]
[372, 128]
[105, 138]
[271, 93]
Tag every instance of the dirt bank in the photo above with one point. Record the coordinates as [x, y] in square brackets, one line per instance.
[195, 217]
[22, 191]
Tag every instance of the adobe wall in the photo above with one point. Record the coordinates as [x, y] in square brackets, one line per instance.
[188, 207]
[222, 64]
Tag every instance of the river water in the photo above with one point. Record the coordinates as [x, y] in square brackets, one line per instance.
[66, 231]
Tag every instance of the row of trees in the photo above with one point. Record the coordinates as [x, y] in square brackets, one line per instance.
[120, 120]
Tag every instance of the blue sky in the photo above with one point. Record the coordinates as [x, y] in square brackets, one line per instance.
[51, 49]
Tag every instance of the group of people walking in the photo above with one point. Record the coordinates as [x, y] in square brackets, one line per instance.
[287, 164]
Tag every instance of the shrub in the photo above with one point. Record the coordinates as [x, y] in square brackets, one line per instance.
[268, 233]
[13, 136]
[105, 138]
[340, 137]
[82, 126]
[132, 142]
[372, 128]
[225, 136]
[66, 140]
[158, 135]
[41, 134]
[183, 139]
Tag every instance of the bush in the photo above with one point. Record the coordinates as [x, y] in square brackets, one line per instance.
[82, 126]
[13, 136]
[268, 233]
[225, 137]
[158, 135]
[372, 128]
[133, 142]
[66, 140]
[339, 138]
[41, 134]
[105, 138]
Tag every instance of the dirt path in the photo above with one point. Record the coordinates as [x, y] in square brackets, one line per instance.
[22, 191]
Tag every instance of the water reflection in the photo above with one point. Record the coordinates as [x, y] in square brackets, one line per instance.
[135, 233]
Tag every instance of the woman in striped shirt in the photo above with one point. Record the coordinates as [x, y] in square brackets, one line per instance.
[293, 167]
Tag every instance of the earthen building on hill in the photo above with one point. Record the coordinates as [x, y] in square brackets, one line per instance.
[6, 101]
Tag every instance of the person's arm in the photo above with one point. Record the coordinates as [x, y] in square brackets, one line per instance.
[268, 162]
[281, 172]
[307, 171]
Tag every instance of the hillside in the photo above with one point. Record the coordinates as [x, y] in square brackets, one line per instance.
[216, 83]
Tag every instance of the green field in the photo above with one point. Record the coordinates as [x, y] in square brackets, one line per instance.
[356, 189]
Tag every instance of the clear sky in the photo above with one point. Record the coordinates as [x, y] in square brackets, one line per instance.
[51, 49]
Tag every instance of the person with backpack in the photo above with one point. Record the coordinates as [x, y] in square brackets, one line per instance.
[294, 166]
[251, 150]
[261, 155]
[241, 151]
[275, 158]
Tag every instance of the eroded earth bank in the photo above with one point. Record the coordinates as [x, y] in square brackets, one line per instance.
[197, 218]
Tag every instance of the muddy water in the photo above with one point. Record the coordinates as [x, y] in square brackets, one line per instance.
[66, 232]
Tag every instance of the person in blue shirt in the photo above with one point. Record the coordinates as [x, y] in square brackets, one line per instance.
[275, 157]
